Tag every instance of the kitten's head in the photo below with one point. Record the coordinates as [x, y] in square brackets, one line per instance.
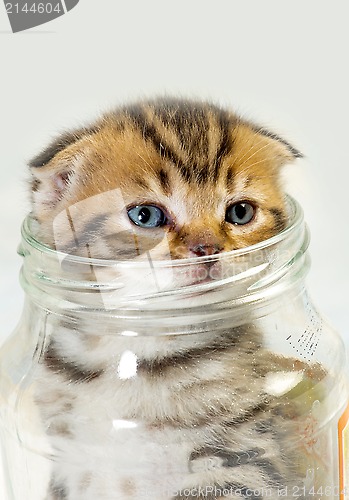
[174, 178]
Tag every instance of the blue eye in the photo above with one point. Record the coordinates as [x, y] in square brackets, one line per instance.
[147, 216]
[240, 213]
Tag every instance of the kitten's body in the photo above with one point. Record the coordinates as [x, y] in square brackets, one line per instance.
[191, 411]
[201, 418]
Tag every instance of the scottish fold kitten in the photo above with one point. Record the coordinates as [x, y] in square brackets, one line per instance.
[162, 180]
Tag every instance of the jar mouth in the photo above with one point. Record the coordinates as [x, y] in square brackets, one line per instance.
[295, 219]
[231, 278]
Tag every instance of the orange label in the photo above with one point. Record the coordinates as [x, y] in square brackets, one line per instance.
[343, 448]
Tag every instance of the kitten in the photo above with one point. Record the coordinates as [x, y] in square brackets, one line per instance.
[205, 170]
[169, 179]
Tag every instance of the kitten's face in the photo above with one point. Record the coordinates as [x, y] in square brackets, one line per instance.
[176, 179]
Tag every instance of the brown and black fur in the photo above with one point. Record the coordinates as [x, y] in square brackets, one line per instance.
[173, 153]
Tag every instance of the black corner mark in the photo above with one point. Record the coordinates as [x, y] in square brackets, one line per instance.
[70, 4]
[26, 14]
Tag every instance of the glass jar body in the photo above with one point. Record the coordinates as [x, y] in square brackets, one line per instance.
[39, 423]
[231, 389]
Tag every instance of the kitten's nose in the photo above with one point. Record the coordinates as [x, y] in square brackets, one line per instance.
[205, 249]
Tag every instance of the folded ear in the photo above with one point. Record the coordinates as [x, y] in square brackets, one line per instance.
[55, 169]
[284, 151]
[259, 147]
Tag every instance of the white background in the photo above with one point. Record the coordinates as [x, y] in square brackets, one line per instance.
[283, 63]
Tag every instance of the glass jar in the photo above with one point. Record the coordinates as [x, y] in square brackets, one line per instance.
[212, 377]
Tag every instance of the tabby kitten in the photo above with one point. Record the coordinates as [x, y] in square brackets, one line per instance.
[171, 179]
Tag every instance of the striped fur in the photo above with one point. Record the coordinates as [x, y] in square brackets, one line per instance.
[191, 159]
[199, 412]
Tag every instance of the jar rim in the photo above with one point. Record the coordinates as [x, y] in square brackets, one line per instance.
[235, 278]
[296, 218]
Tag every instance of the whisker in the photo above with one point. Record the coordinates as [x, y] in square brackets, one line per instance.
[253, 164]
[240, 158]
[145, 161]
[253, 154]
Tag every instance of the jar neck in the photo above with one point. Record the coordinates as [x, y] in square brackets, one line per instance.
[240, 279]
